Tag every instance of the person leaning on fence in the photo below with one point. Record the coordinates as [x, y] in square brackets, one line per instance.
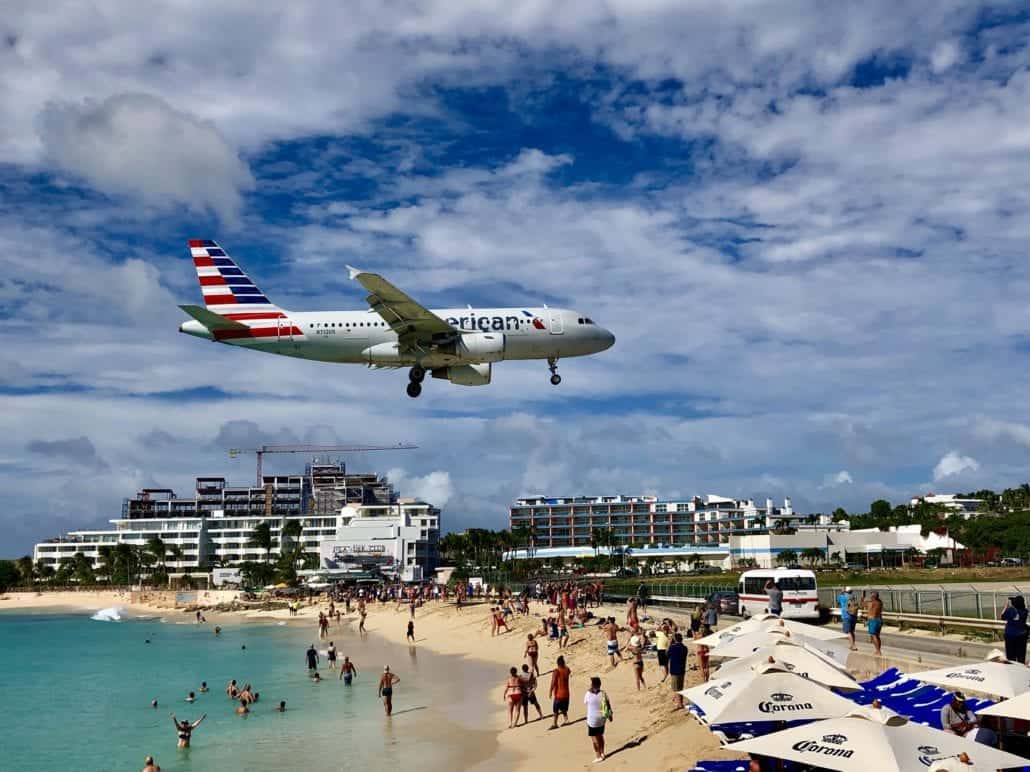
[775, 595]
[848, 614]
[1015, 614]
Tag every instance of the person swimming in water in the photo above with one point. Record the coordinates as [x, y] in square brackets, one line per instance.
[203, 686]
[282, 707]
[242, 710]
[347, 671]
[191, 698]
[386, 683]
[232, 690]
[185, 729]
[149, 765]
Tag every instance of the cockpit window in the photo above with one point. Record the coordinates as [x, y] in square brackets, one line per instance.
[589, 321]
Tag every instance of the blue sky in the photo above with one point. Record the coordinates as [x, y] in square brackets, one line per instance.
[807, 230]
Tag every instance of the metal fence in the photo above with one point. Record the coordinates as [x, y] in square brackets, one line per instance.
[945, 601]
[686, 590]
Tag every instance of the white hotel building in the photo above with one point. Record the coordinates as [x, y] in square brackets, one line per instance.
[213, 526]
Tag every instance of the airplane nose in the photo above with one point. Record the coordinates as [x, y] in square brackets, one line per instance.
[607, 339]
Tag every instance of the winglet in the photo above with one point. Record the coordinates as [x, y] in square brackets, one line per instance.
[354, 272]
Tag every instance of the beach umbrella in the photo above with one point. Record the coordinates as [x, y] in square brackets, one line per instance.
[766, 693]
[746, 644]
[1002, 679]
[858, 744]
[1017, 707]
[768, 622]
[794, 657]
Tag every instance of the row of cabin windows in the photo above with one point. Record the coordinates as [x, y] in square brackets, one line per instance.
[313, 325]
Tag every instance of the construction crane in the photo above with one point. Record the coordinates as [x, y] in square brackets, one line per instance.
[260, 451]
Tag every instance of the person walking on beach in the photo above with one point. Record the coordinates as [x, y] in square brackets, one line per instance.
[386, 682]
[661, 642]
[312, 657]
[347, 671]
[677, 666]
[599, 713]
[528, 680]
[185, 729]
[874, 623]
[636, 648]
[848, 615]
[361, 624]
[611, 632]
[513, 697]
[709, 620]
[559, 692]
[330, 654]
[411, 633]
[1015, 615]
[532, 653]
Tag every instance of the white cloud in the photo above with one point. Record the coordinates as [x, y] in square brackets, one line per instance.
[953, 463]
[992, 429]
[138, 145]
[944, 56]
[435, 487]
[842, 477]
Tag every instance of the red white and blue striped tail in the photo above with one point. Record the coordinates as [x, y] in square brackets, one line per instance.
[227, 290]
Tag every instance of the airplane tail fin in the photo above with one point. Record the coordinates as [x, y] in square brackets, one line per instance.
[227, 290]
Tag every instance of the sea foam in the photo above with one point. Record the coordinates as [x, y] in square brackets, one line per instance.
[112, 614]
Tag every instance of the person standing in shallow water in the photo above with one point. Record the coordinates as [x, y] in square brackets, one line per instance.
[386, 683]
[185, 729]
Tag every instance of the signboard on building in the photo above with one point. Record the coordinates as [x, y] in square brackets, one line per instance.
[223, 576]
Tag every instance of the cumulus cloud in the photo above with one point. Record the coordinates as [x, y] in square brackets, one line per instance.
[140, 146]
[435, 488]
[953, 463]
[944, 56]
[993, 429]
[842, 477]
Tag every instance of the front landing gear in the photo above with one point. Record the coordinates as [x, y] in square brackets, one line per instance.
[414, 389]
[552, 365]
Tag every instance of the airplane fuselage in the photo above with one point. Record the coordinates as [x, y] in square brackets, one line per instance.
[362, 337]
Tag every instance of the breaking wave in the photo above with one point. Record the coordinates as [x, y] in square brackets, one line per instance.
[112, 614]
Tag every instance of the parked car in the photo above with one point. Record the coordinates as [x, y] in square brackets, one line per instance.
[726, 601]
[623, 573]
[1012, 561]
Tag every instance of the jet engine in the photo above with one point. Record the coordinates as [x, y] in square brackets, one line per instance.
[477, 347]
[465, 375]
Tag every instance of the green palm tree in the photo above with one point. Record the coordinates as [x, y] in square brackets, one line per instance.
[83, 568]
[24, 565]
[157, 548]
[106, 554]
[261, 537]
[290, 534]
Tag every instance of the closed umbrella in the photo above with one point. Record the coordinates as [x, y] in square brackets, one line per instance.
[745, 644]
[767, 693]
[859, 744]
[794, 657]
[1001, 679]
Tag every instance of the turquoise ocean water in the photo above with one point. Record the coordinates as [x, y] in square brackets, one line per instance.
[77, 692]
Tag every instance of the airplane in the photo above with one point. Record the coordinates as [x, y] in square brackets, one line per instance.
[459, 345]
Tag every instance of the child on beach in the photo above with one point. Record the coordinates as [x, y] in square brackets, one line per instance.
[702, 659]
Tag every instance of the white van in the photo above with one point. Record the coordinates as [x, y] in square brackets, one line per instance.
[800, 593]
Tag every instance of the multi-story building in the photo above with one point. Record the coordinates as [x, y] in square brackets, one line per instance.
[213, 527]
[642, 520]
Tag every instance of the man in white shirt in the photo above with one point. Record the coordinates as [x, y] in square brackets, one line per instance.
[595, 700]
[957, 718]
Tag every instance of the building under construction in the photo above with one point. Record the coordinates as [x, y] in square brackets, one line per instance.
[214, 525]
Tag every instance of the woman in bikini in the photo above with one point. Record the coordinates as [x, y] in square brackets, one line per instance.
[185, 729]
[513, 696]
[532, 653]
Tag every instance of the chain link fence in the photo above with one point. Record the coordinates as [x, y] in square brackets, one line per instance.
[951, 601]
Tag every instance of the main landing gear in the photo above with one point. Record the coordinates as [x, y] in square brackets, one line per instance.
[552, 365]
[417, 374]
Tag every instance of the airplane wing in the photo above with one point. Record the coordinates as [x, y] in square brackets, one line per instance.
[211, 320]
[414, 323]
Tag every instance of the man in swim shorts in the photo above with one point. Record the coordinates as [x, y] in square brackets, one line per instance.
[347, 671]
[611, 632]
[559, 692]
[386, 683]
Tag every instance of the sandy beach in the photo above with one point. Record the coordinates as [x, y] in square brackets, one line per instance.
[647, 728]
